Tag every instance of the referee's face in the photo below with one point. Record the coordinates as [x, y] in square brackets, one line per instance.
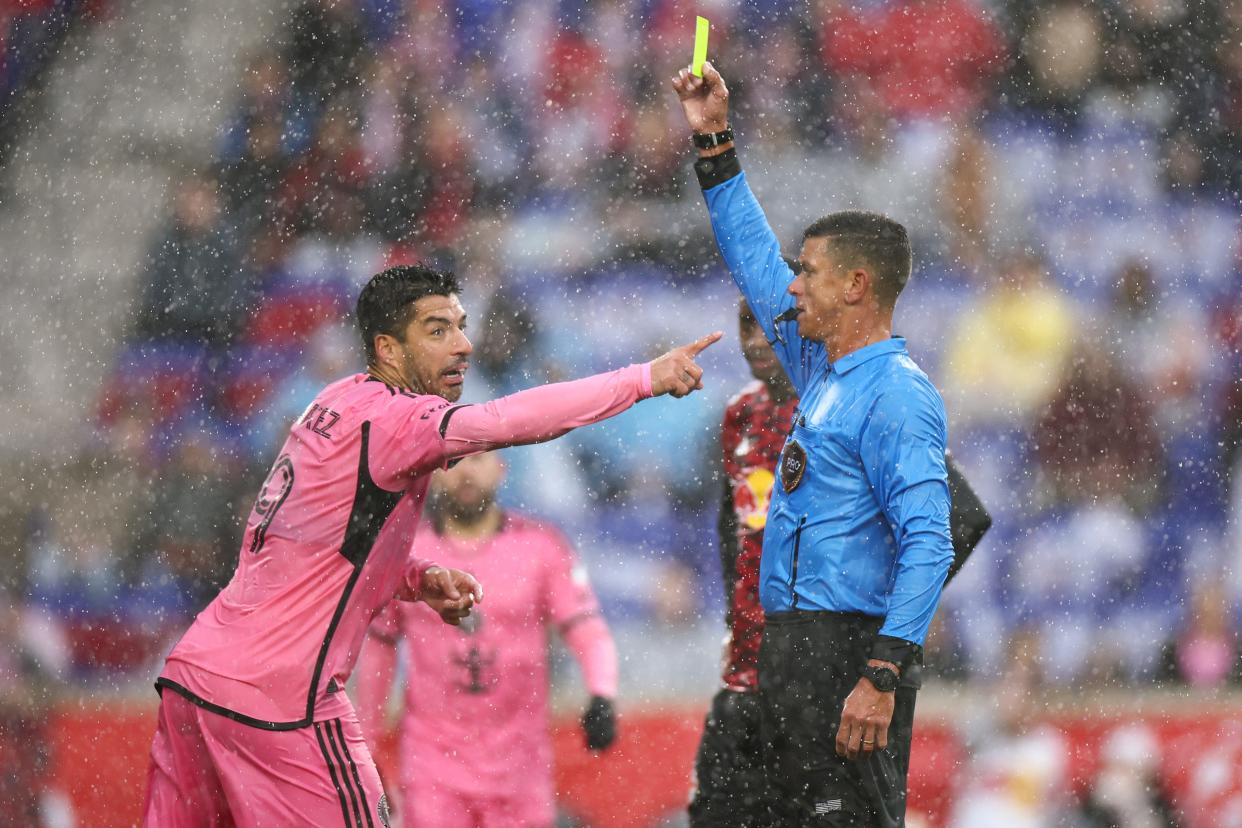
[818, 290]
[435, 353]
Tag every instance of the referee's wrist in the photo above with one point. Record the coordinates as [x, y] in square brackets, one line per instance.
[897, 651]
[714, 170]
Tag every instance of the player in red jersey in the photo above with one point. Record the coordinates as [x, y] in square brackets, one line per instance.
[731, 784]
[732, 788]
[254, 726]
[474, 747]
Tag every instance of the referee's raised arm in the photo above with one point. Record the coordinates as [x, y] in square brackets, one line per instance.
[750, 248]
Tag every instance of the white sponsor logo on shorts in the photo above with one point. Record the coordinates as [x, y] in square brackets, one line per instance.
[828, 806]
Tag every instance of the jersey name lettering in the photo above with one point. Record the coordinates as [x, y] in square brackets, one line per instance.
[320, 420]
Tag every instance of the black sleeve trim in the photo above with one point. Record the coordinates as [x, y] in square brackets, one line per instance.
[897, 650]
[718, 169]
[448, 415]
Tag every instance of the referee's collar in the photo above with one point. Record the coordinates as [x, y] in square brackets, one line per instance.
[892, 345]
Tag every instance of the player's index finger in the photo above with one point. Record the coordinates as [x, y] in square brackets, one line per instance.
[701, 345]
[701, 28]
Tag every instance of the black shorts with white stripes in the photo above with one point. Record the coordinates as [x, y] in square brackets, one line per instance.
[808, 664]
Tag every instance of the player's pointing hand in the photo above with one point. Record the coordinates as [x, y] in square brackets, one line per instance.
[450, 592]
[705, 100]
[676, 372]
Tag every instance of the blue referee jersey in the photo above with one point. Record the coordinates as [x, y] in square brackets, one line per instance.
[859, 519]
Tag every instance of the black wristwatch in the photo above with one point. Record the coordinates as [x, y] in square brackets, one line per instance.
[884, 679]
[710, 140]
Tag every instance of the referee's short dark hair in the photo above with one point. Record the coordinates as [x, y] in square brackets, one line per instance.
[386, 303]
[875, 240]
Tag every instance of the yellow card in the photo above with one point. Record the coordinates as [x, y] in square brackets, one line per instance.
[701, 27]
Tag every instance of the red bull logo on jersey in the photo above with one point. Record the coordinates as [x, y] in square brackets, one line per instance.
[751, 496]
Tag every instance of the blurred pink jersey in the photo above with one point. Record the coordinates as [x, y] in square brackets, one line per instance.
[325, 548]
[475, 713]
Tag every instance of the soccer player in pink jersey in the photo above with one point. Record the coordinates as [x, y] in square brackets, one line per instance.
[254, 726]
[474, 748]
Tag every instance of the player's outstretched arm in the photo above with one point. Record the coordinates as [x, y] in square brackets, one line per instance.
[544, 413]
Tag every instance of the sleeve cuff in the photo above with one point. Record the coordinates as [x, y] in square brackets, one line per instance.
[718, 169]
[644, 381]
[414, 579]
[897, 650]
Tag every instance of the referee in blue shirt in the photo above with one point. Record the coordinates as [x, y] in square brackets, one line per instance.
[857, 543]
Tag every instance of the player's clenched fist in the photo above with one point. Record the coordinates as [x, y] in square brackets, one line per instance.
[450, 592]
[675, 373]
[705, 100]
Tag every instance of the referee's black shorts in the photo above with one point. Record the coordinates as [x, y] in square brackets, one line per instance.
[731, 787]
[808, 664]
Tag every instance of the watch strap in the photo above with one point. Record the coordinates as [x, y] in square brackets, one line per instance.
[884, 679]
[709, 140]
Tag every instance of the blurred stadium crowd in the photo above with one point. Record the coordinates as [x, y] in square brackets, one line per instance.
[1070, 173]
[31, 31]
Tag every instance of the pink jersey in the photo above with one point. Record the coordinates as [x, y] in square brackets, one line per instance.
[475, 711]
[327, 542]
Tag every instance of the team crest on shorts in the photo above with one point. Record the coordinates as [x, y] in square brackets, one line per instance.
[793, 465]
[382, 811]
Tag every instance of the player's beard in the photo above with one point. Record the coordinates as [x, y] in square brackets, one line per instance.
[443, 508]
[469, 514]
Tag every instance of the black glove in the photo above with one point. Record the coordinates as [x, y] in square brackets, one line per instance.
[600, 723]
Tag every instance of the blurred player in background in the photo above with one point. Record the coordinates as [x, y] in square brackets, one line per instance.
[474, 745]
[731, 786]
[254, 728]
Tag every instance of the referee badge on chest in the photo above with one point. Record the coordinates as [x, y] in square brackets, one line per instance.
[793, 465]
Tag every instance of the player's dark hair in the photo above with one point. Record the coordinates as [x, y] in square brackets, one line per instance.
[871, 239]
[746, 316]
[386, 303]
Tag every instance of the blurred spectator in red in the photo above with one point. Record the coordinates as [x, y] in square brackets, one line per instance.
[1127, 791]
[926, 58]
[193, 287]
[1205, 652]
[1097, 437]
